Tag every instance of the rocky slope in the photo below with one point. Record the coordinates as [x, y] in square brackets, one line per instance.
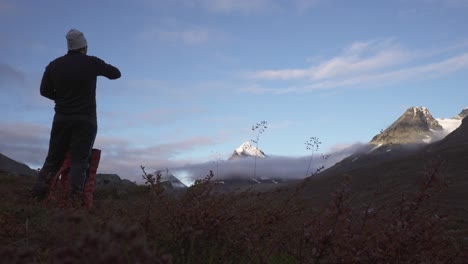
[416, 125]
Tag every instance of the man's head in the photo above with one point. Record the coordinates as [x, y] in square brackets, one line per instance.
[76, 41]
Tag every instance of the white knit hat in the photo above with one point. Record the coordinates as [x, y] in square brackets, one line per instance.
[76, 40]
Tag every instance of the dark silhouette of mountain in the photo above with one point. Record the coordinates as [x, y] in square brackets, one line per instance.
[9, 165]
[112, 180]
[170, 181]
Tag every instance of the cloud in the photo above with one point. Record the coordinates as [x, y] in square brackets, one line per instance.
[247, 6]
[10, 74]
[226, 6]
[6, 6]
[122, 157]
[28, 143]
[446, 3]
[362, 63]
[359, 57]
[272, 167]
[305, 5]
[192, 36]
[158, 116]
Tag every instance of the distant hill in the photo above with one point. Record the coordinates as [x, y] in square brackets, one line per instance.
[112, 180]
[11, 166]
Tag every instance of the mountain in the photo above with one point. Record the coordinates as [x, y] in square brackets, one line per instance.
[462, 114]
[172, 182]
[247, 150]
[169, 180]
[111, 180]
[394, 175]
[12, 166]
[415, 126]
[411, 132]
[457, 139]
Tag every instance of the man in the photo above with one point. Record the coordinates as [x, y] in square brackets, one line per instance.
[70, 81]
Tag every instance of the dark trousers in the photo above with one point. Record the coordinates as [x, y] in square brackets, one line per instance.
[68, 134]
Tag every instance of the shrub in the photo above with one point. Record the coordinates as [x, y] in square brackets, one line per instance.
[205, 225]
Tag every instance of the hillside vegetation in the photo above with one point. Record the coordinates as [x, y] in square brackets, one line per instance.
[149, 224]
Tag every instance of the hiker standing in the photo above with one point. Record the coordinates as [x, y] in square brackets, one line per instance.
[70, 81]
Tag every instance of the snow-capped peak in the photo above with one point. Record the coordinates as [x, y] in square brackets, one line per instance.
[247, 150]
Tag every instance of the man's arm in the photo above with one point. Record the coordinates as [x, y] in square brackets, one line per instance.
[47, 87]
[107, 70]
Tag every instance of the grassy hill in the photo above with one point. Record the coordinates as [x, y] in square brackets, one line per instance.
[301, 224]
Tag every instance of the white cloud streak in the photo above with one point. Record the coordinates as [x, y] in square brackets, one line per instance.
[247, 6]
[226, 6]
[193, 37]
[172, 31]
[360, 57]
[361, 63]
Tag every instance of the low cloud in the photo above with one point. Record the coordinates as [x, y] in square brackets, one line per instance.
[28, 143]
[275, 167]
[122, 157]
[25, 143]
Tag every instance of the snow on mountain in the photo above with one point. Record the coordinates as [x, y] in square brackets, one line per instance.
[416, 125]
[247, 150]
[449, 124]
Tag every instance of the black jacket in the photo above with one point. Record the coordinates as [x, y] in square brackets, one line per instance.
[70, 81]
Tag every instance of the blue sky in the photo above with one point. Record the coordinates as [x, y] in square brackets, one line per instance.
[197, 74]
